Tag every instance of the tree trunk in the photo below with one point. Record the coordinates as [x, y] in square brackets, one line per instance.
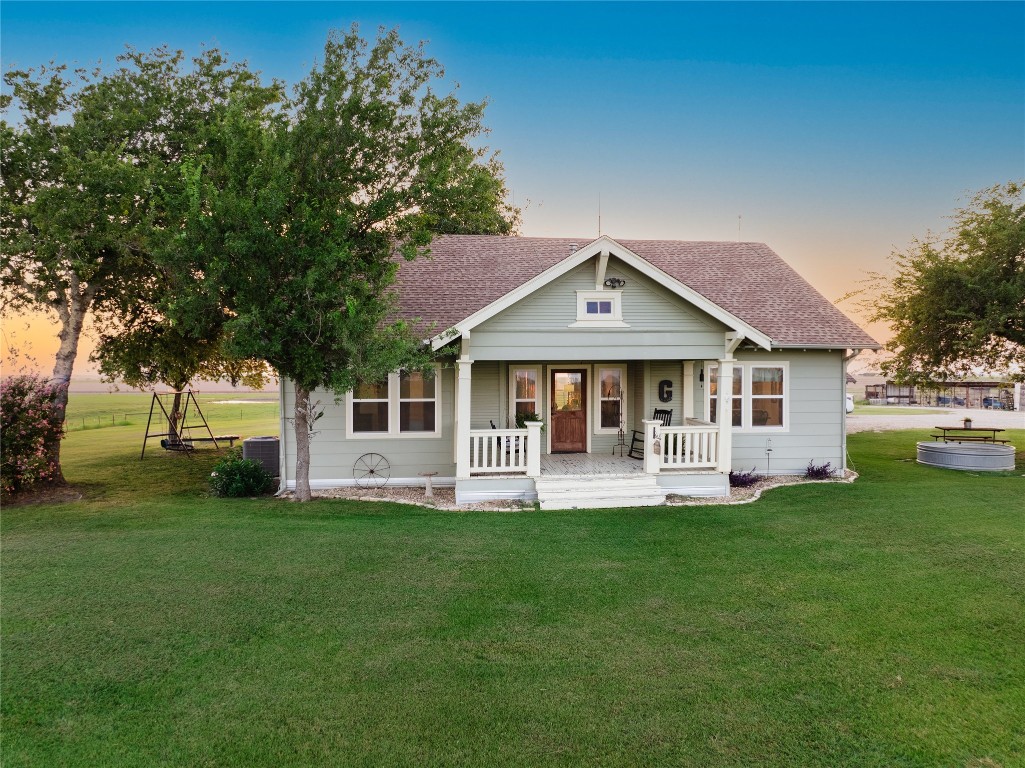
[72, 317]
[302, 444]
[175, 417]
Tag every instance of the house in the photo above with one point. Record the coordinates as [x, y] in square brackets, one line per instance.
[584, 340]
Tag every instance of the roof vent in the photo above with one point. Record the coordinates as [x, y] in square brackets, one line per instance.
[572, 247]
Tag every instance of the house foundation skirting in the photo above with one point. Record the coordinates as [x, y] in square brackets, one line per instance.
[475, 490]
[694, 483]
[395, 482]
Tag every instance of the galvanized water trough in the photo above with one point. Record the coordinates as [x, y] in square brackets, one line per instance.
[977, 457]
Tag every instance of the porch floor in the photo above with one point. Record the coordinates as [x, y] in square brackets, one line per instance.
[589, 464]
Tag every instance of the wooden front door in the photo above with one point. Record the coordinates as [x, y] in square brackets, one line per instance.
[569, 411]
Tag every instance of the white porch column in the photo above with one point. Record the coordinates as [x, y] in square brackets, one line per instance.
[463, 416]
[652, 432]
[688, 390]
[533, 449]
[724, 413]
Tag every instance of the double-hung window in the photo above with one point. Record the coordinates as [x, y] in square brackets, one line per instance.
[404, 404]
[611, 383]
[766, 396]
[738, 395]
[524, 394]
[759, 395]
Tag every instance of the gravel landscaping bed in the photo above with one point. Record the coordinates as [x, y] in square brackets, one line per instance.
[445, 498]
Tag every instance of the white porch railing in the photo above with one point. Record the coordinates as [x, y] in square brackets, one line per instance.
[502, 451]
[690, 447]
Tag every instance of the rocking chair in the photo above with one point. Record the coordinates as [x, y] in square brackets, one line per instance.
[664, 415]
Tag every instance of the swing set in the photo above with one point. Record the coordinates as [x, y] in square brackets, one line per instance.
[178, 436]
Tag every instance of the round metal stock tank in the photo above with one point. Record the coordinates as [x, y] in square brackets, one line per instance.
[977, 457]
[263, 450]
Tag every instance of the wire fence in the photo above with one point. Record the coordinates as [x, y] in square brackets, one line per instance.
[132, 418]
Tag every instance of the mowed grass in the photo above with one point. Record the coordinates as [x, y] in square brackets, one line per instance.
[874, 624]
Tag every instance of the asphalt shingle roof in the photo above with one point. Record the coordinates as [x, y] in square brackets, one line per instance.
[465, 273]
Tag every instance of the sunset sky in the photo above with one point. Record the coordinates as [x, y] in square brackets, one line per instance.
[838, 131]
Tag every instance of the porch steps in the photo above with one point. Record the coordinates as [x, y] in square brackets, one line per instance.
[598, 491]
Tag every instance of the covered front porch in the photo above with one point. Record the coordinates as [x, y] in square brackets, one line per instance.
[578, 422]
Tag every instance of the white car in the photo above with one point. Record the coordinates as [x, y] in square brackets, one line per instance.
[849, 405]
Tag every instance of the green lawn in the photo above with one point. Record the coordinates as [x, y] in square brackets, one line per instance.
[874, 624]
[896, 410]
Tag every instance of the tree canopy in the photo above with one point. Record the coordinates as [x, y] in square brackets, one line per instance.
[84, 156]
[956, 304]
[297, 222]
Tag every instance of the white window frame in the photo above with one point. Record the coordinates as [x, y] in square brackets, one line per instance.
[612, 320]
[538, 390]
[747, 425]
[394, 399]
[596, 392]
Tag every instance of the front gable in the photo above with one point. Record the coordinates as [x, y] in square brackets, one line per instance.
[655, 322]
[658, 303]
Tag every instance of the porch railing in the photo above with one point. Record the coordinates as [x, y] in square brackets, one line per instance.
[690, 447]
[498, 451]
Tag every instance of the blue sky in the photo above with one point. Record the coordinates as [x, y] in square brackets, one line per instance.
[837, 130]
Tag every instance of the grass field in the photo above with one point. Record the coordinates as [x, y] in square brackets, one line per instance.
[873, 624]
[98, 411]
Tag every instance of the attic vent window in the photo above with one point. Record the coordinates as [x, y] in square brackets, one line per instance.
[599, 309]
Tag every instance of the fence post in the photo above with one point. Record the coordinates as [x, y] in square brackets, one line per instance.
[652, 434]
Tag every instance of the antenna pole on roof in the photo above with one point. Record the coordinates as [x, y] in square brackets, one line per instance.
[739, 217]
[599, 214]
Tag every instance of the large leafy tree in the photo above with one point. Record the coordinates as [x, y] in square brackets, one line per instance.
[84, 154]
[957, 304]
[297, 228]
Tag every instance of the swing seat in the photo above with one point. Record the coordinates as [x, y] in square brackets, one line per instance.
[174, 445]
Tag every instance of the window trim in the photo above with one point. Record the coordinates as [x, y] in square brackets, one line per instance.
[614, 319]
[596, 396]
[538, 384]
[746, 424]
[394, 400]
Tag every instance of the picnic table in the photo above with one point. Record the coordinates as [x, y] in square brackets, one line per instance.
[969, 435]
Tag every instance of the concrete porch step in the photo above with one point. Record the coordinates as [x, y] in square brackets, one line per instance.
[596, 492]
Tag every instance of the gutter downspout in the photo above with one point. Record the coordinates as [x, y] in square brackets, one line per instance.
[843, 411]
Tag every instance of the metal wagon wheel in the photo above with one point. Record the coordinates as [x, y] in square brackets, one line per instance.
[371, 470]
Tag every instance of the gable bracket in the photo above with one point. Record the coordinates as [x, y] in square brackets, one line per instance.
[599, 269]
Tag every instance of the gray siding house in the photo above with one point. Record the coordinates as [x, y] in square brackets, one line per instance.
[554, 354]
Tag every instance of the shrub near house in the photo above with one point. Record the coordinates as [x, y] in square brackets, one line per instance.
[30, 421]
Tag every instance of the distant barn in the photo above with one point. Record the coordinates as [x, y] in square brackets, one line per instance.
[992, 394]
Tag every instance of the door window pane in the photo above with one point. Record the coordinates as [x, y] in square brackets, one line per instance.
[568, 391]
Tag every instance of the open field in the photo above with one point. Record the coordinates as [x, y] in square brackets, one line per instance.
[225, 411]
[873, 624]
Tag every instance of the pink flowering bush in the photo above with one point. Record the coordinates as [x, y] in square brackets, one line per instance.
[30, 424]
